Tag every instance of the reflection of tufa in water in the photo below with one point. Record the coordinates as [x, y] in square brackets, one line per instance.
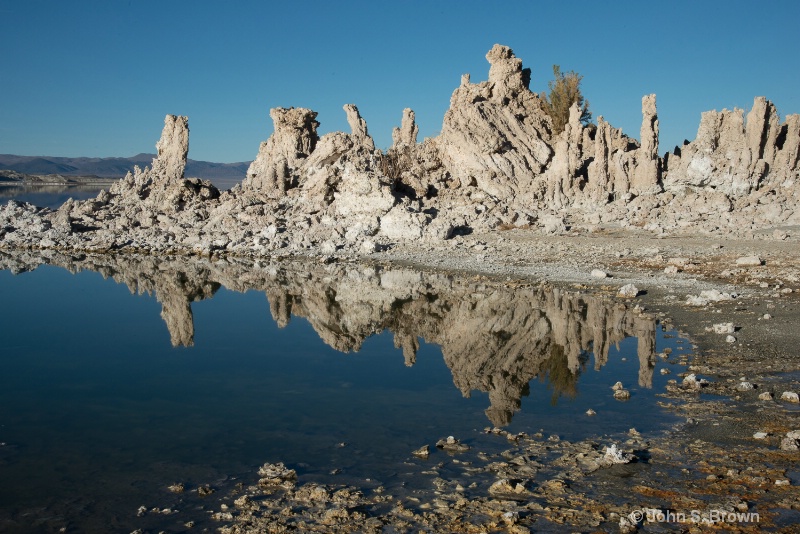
[494, 337]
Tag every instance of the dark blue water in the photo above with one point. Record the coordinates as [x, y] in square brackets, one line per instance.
[99, 412]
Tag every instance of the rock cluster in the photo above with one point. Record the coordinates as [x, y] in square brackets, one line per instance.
[495, 164]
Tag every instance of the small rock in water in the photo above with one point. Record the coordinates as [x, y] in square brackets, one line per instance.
[628, 291]
[205, 490]
[790, 396]
[177, 488]
[745, 386]
[598, 273]
[614, 455]
[760, 435]
[765, 396]
[692, 382]
[422, 452]
[766, 317]
[730, 339]
[789, 444]
[275, 474]
[622, 394]
[451, 444]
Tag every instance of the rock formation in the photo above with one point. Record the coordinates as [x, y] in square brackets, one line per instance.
[496, 133]
[647, 176]
[279, 157]
[734, 156]
[406, 134]
[495, 163]
[358, 127]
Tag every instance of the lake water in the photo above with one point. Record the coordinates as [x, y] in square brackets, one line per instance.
[47, 196]
[120, 376]
[53, 196]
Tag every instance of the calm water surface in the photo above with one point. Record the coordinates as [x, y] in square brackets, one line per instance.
[47, 196]
[133, 373]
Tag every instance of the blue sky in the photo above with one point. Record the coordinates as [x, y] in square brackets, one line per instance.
[95, 78]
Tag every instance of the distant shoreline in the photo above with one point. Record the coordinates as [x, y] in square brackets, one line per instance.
[14, 178]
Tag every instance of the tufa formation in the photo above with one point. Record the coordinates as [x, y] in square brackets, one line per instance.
[495, 164]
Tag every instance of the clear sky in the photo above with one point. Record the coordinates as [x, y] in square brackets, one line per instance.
[95, 78]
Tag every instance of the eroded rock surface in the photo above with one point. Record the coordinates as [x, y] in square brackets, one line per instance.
[496, 164]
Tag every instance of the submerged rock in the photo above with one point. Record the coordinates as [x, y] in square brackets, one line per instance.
[451, 444]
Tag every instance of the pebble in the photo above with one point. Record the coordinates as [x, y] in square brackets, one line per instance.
[790, 396]
[597, 273]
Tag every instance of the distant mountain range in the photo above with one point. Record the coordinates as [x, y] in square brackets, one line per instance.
[118, 167]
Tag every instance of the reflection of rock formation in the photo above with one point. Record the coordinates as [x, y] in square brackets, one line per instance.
[175, 291]
[494, 338]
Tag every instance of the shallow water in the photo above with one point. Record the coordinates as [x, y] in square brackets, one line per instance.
[48, 196]
[135, 373]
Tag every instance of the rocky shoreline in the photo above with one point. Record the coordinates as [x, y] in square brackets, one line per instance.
[705, 236]
[730, 457]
